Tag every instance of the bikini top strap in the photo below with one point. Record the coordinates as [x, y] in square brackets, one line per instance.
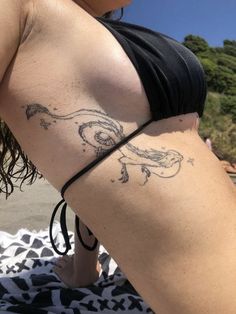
[64, 204]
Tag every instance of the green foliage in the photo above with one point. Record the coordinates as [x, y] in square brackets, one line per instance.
[228, 42]
[219, 127]
[219, 119]
[196, 44]
[228, 106]
[227, 61]
[230, 47]
[223, 80]
[219, 63]
[220, 77]
[210, 69]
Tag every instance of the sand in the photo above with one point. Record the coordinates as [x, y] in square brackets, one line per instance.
[30, 209]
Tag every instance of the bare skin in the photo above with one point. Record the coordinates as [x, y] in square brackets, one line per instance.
[82, 268]
[162, 205]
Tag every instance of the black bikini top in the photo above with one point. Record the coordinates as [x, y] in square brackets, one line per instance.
[171, 74]
[174, 83]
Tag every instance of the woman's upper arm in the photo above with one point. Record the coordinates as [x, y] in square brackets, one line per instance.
[13, 17]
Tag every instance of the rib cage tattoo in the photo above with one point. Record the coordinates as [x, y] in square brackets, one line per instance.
[100, 132]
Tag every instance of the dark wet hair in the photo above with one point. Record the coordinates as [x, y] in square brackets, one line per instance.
[15, 167]
[14, 164]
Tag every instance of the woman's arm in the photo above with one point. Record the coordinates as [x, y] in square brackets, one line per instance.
[86, 261]
[13, 17]
[15, 25]
[81, 269]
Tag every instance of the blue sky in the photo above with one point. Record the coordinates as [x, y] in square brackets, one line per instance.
[214, 20]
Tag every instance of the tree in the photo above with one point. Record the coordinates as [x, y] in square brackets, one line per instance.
[219, 119]
[227, 61]
[196, 44]
[230, 47]
[228, 106]
[210, 68]
[217, 123]
[223, 80]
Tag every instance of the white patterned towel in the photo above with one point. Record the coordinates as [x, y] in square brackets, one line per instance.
[28, 285]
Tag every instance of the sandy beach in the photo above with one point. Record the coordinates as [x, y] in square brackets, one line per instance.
[31, 208]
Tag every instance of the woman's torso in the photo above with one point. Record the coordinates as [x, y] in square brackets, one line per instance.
[73, 68]
[65, 65]
[70, 63]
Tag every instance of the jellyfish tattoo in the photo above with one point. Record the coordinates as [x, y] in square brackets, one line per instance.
[101, 132]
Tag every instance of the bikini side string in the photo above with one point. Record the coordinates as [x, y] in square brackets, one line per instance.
[63, 205]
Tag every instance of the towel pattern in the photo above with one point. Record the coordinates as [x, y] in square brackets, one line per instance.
[28, 284]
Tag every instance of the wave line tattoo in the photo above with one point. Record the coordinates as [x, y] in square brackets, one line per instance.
[101, 132]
